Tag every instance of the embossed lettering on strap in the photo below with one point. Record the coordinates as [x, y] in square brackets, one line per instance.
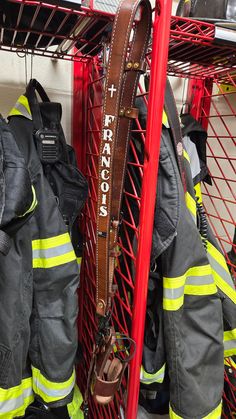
[130, 36]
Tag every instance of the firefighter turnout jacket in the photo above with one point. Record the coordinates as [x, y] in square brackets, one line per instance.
[48, 297]
[17, 204]
[191, 326]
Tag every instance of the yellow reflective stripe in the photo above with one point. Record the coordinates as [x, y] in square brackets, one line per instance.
[46, 263]
[24, 101]
[176, 282]
[157, 377]
[165, 119]
[186, 156]
[229, 352]
[220, 272]
[217, 255]
[199, 270]
[173, 305]
[51, 242]
[51, 391]
[79, 261]
[21, 108]
[230, 362]
[230, 335]
[197, 280]
[224, 287]
[230, 343]
[53, 251]
[73, 408]
[191, 204]
[215, 414]
[34, 203]
[207, 289]
[198, 191]
[15, 112]
[15, 400]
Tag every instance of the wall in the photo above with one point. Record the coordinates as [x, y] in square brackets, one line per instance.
[55, 76]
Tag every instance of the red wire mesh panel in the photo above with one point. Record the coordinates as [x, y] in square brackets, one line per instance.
[217, 113]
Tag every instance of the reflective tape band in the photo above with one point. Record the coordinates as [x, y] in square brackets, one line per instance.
[73, 408]
[186, 156]
[198, 192]
[173, 305]
[196, 281]
[22, 108]
[220, 272]
[33, 204]
[51, 242]
[51, 391]
[157, 377]
[174, 293]
[215, 414]
[42, 263]
[53, 251]
[79, 260]
[230, 343]
[14, 401]
[165, 119]
[230, 362]
[203, 289]
[191, 205]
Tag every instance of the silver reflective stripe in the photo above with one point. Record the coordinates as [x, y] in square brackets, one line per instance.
[15, 403]
[200, 280]
[52, 392]
[229, 344]
[21, 108]
[52, 252]
[221, 271]
[173, 293]
[156, 377]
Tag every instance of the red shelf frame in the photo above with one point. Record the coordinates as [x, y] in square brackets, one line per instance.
[193, 55]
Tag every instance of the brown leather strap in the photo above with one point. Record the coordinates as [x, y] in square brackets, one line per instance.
[125, 64]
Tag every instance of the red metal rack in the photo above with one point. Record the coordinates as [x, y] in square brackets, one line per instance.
[78, 35]
[193, 55]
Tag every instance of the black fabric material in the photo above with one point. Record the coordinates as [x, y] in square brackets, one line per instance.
[197, 134]
[15, 188]
[5, 243]
[9, 13]
[53, 332]
[154, 345]
[69, 185]
[89, 43]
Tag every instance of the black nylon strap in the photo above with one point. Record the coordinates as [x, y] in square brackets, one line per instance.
[31, 89]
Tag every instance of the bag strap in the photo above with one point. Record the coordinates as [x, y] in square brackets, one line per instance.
[31, 89]
[174, 122]
[126, 62]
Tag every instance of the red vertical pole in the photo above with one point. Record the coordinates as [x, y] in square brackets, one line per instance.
[79, 135]
[161, 33]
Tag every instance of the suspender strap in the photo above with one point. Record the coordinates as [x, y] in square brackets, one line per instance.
[130, 36]
[174, 122]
